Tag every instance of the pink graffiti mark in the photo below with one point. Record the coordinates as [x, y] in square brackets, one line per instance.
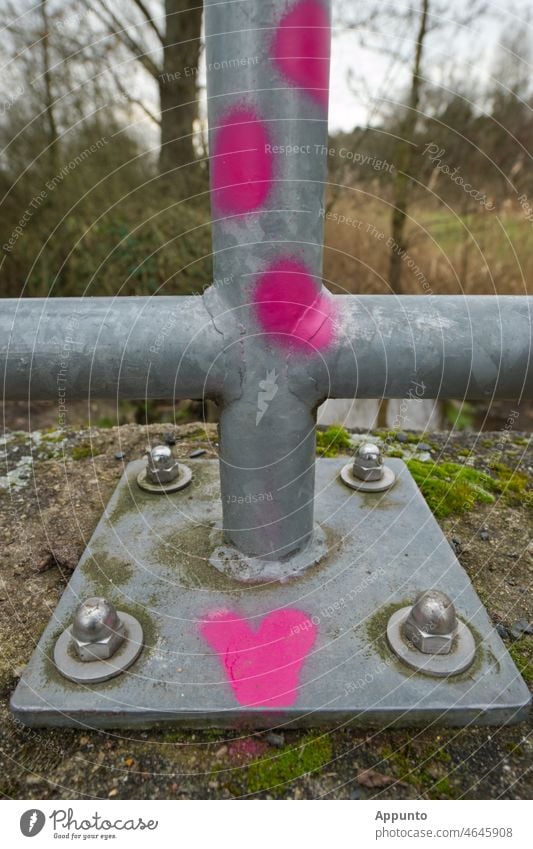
[246, 749]
[263, 666]
[301, 49]
[242, 166]
[291, 309]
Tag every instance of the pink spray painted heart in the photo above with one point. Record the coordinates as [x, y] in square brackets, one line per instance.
[263, 665]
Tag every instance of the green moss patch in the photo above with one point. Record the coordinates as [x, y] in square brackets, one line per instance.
[407, 437]
[333, 441]
[453, 488]
[450, 487]
[81, 452]
[272, 773]
[427, 771]
[514, 485]
[522, 653]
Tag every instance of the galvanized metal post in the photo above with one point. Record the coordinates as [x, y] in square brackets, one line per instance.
[267, 86]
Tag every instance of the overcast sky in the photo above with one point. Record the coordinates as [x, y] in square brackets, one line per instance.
[451, 52]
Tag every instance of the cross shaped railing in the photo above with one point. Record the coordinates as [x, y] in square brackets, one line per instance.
[267, 341]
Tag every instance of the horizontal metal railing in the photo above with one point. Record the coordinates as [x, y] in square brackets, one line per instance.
[168, 347]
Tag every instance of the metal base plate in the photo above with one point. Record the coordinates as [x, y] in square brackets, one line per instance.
[312, 651]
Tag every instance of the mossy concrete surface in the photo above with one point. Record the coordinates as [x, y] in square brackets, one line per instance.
[52, 494]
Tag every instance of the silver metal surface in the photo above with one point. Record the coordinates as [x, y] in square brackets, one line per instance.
[163, 473]
[97, 630]
[254, 570]
[385, 482]
[267, 420]
[65, 349]
[442, 346]
[383, 550]
[432, 623]
[180, 482]
[457, 661]
[161, 466]
[70, 666]
[475, 347]
[368, 463]
[431, 346]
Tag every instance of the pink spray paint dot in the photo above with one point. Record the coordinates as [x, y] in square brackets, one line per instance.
[301, 49]
[262, 666]
[291, 310]
[246, 749]
[242, 165]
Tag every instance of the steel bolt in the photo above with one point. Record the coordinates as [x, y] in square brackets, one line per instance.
[368, 463]
[162, 467]
[97, 630]
[431, 625]
[429, 638]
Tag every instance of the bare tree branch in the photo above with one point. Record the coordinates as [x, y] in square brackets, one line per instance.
[134, 100]
[150, 21]
[122, 34]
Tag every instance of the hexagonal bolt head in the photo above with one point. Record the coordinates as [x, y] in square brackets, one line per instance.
[432, 623]
[162, 467]
[367, 463]
[97, 631]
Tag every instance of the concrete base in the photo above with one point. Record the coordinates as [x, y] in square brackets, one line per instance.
[309, 652]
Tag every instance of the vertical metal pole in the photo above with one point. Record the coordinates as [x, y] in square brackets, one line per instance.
[267, 87]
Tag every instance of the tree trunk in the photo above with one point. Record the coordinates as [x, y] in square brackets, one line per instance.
[53, 135]
[178, 89]
[404, 161]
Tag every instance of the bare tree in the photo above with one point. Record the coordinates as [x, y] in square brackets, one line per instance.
[169, 53]
[404, 158]
[53, 135]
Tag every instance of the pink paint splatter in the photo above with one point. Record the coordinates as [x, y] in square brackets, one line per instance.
[246, 749]
[289, 307]
[262, 666]
[242, 165]
[301, 48]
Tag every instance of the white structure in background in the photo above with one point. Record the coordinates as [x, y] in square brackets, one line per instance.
[402, 414]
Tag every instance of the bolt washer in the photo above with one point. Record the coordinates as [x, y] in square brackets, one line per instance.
[184, 478]
[96, 671]
[385, 482]
[440, 665]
